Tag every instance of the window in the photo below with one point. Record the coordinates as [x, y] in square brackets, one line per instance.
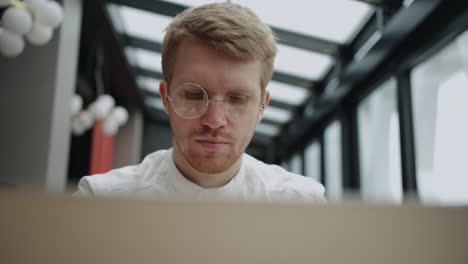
[440, 96]
[379, 137]
[333, 164]
[302, 63]
[312, 161]
[296, 164]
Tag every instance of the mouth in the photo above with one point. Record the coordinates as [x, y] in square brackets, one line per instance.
[211, 144]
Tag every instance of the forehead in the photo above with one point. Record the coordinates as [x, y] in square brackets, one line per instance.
[199, 63]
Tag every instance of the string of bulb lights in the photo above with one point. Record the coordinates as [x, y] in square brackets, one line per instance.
[102, 109]
[33, 20]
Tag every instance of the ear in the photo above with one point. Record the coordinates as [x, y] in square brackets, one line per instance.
[262, 110]
[162, 93]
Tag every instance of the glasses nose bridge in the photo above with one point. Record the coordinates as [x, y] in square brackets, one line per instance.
[219, 101]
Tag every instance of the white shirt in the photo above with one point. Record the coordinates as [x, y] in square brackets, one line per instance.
[158, 177]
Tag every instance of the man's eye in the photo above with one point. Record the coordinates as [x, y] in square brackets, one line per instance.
[193, 96]
[239, 98]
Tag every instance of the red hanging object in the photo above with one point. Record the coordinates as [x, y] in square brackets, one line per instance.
[102, 147]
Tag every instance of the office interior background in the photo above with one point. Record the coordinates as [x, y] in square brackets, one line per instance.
[367, 97]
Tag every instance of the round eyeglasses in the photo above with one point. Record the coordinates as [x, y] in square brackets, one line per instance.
[190, 101]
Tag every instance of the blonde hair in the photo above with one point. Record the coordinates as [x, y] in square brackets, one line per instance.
[230, 28]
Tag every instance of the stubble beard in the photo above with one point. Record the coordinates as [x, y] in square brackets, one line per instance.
[212, 162]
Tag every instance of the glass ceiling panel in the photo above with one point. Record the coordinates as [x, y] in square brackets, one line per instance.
[144, 58]
[303, 63]
[277, 114]
[267, 129]
[148, 84]
[154, 102]
[144, 24]
[335, 20]
[286, 93]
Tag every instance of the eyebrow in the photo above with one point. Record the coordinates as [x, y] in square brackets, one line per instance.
[208, 90]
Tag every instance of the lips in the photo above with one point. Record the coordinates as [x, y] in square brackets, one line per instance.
[212, 143]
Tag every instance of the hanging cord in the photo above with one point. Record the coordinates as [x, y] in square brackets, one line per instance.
[98, 70]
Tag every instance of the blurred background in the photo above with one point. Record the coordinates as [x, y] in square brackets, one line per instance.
[367, 96]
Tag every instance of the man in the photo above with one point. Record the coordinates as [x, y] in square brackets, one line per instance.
[217, 60]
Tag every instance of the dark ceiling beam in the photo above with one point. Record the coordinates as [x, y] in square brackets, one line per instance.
[282, 105]
[294, 80]
[159, 7]
[394, 4]
[306, 42]
[284, 36]
[411, 31]
[369, 28]
[148, 73]
[142, 43]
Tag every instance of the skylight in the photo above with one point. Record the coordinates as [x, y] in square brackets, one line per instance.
[303, 63]
[148, 84]
[277, 114]
[144, 59]
[286, 93]
[144, 24]
[335, 20]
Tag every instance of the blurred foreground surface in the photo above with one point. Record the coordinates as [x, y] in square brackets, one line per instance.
[43, 228]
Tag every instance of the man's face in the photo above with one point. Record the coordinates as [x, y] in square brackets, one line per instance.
[213, 142]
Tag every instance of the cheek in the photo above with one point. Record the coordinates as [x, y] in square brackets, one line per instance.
[245, 129]
[180, 127]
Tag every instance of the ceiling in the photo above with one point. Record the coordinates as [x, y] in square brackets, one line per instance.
[316, 39]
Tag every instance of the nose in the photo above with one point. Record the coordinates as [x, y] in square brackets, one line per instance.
[214, 117]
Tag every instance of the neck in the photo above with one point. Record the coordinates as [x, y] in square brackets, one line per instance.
[204, 179]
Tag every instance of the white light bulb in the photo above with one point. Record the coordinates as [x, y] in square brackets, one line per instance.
[106, 100]
[99, 110]
[110, 127]
[39, 34]
[76, 104]
[11, 44]
[47, 12]
[120, 115]
[53, 14]
[103, 106]
[17, 20]
[87, 119]
[77, 127]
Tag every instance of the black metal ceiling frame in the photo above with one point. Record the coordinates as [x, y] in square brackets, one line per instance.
[425, 27]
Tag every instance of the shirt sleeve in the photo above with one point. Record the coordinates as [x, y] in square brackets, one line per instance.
[84, 188]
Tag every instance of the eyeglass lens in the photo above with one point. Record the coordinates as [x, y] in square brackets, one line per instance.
[191, 101]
